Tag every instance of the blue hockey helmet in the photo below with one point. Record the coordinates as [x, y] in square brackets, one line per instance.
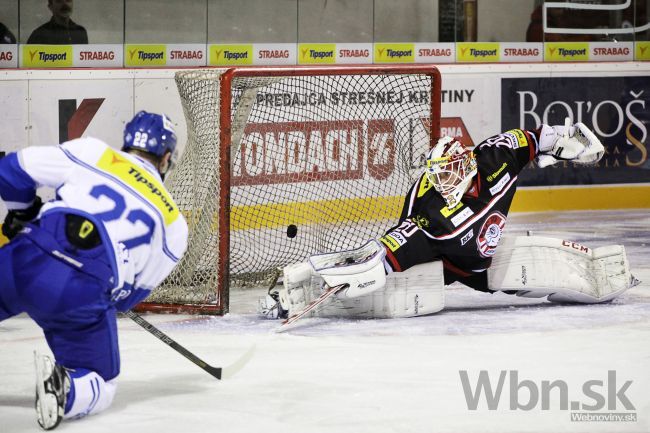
[151, 133]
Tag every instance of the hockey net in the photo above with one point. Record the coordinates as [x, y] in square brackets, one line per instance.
[282, 163]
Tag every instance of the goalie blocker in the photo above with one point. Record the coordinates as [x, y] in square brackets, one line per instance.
[534, 267]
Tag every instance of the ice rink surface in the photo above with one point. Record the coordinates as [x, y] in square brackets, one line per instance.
[381, 376]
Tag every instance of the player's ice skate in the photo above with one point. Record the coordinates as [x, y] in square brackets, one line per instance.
[52, 386]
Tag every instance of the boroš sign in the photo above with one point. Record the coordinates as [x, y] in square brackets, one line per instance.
[615, 108]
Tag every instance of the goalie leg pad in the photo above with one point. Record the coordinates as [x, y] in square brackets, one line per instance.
[417, 291]
[564, 271]
[300, 286]
[362, 269]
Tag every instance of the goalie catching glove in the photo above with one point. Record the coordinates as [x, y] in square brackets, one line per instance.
[568, 143]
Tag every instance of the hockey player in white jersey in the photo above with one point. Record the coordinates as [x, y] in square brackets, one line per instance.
[110, 236]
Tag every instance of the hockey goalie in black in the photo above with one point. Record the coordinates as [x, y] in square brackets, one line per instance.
[450, 227]
[457, 209]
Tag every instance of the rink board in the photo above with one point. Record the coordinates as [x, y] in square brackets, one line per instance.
[477, 101]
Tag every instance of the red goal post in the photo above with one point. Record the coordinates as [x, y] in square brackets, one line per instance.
[284, 162]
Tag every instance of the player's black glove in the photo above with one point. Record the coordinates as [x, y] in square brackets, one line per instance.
[16, 219]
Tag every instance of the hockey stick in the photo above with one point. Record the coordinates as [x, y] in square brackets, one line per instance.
[331, 291]
[218, 372]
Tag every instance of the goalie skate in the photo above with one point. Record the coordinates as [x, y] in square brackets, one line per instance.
[52, 386]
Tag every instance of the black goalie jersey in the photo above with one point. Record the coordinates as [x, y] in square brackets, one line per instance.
[466, 237]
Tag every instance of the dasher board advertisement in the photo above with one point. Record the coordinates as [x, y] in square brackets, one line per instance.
[615, 108]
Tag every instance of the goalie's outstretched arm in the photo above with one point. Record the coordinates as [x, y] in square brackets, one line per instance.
[575, 143]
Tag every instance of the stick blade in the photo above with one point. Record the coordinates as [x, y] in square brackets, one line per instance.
[232, 369]
[290, 323]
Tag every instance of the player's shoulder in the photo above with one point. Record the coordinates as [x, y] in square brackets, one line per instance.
[509, 140]
[86, 148]
[180, 225]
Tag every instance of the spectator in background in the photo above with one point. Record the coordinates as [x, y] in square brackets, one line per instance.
[6, 37]
[557, 17]
[60, 30]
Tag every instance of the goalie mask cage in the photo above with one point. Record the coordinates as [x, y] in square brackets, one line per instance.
[285, 162]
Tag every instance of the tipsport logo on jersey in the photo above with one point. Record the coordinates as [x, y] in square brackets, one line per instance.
[615, 108]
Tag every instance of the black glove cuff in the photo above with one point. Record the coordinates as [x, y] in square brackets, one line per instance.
[16, 219]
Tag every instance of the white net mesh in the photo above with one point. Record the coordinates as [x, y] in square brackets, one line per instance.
[318, 163]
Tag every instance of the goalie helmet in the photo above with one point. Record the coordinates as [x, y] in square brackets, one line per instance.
[151, 133]
[450, 168]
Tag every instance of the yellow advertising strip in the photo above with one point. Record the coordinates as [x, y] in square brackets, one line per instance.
[316, 54]
[315, 212]
[581, 198]
[394, 53]
[47, 56]
[566, 51]
[383, 208]
[230, 54]
[145, 55]
[642, 50]
[477, 52]
[140, 180]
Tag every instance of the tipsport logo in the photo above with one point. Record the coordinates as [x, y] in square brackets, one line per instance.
[231, 55]
[146, 55]
[49, 56]
[642, 50]
[477, 52]
[317, 54]
[566, 51]
[394, 53]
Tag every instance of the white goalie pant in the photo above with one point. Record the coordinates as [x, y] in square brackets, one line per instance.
[564, 271]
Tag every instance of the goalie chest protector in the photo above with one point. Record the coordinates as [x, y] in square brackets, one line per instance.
[465, 236]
